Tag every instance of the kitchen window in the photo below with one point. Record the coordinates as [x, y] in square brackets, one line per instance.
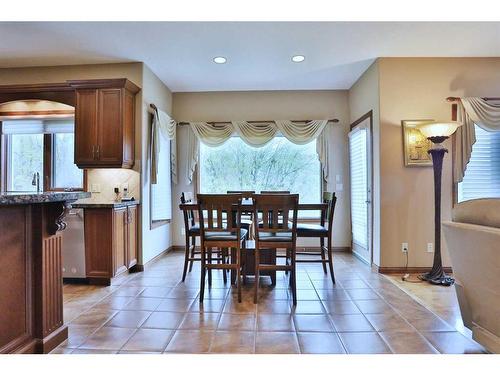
[482, 176]
[279, 165]
[43, 146]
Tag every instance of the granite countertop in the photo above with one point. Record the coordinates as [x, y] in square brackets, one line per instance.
[28, 197]
[93, 203]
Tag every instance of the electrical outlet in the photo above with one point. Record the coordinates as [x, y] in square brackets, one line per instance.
[404, 247]
[95, 188]
[430, 247]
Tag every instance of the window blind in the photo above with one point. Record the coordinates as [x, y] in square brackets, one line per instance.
[359, 193]
[161, 192]
[482, 176]
[38, 126]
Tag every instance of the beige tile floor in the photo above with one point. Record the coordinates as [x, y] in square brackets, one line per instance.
[364, 312]
[440, 300]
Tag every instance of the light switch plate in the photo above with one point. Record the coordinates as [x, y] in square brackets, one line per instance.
[430, 247]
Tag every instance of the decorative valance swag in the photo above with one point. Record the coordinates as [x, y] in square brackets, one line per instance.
[470, 111]
[163, 125]
[257, 135]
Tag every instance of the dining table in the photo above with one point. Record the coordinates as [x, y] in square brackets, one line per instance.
[266, 256]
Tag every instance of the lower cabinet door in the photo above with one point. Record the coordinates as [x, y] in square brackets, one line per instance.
[119, 240]
[132, 236]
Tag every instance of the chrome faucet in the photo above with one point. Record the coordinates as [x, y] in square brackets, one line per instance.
[36, 181]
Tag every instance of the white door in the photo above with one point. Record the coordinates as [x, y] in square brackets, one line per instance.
[359, 155]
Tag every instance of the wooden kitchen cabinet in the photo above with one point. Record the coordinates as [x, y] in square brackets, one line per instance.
[132, 237]
[104, 123]
[110, 242]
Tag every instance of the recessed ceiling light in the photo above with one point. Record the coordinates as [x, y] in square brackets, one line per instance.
[220, 60]
[298, 58]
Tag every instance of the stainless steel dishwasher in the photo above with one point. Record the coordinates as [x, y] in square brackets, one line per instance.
[73, 249]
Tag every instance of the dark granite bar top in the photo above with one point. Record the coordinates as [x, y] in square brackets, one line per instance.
[10, 198]
[90, 203]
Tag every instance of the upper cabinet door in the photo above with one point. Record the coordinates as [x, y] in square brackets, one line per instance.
[105, 123]
[86, 127]
[110, 127]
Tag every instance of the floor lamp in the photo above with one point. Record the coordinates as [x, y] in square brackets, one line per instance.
[437, 133]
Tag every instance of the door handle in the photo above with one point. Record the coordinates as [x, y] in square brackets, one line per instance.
[93, 152]
[98, 151]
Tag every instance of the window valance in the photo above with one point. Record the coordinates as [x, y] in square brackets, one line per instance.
[163, 125]
[470, 111]
[257, 134]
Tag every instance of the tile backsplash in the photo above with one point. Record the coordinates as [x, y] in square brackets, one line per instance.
[109, 178]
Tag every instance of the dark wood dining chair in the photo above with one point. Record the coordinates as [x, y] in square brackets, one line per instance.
[220, 227]
[271, 234]
[275, 192]
[192, 230]
[246, 218]
[244, 193]
[323, 231]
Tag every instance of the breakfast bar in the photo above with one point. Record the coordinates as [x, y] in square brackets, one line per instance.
[31, 299]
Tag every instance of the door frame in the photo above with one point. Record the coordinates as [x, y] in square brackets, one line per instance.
[368, 115]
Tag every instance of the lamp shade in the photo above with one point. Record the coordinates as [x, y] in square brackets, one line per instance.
[438, 129]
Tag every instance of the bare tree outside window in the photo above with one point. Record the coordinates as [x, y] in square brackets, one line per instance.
[279, 165]
[26, 158]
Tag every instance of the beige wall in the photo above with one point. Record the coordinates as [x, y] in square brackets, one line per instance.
[154, 241]
[268, 105]
[363, 98]
[416, 88]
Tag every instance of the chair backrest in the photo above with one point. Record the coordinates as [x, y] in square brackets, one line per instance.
[245, 193]
[331, 200]
[189, 220]
[219, 212]
[274, 211]
[275, 192]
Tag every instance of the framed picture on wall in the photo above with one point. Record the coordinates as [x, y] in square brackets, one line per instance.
[415, 145]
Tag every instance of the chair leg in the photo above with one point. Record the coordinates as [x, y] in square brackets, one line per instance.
[273, 261]
[330, 259]
[223, 256]
[293, 279]
[286, 259]
[238, 272]
[186, 260]
[193, 240]
[203, 270]
[257, 275]
[244, 262]
[322, 246]
[209, 261]
[233, 261]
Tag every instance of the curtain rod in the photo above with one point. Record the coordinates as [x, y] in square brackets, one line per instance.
[456, 99]
[182, 123]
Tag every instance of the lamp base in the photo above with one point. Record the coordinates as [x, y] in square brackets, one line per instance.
[440, 279]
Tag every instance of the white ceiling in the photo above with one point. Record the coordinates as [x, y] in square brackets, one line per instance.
[258, 53]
